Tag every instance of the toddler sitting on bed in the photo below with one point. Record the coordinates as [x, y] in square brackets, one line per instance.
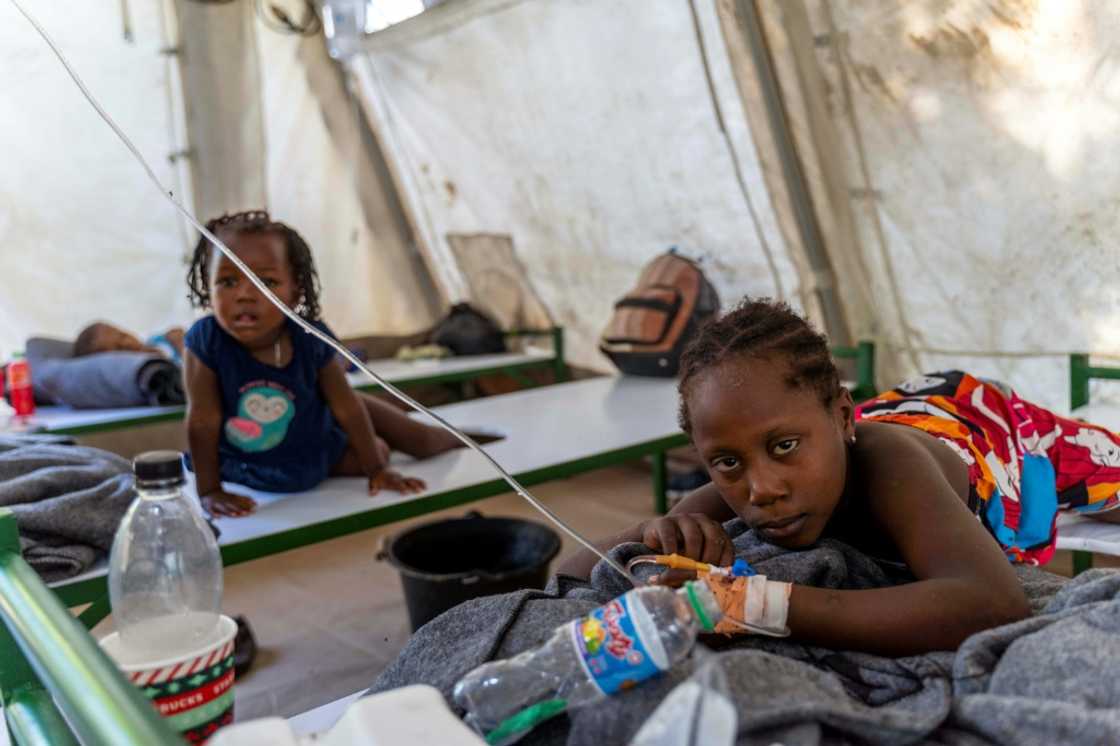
[951, 475]
[269, 406]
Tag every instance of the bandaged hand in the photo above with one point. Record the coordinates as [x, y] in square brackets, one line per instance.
[751, 604]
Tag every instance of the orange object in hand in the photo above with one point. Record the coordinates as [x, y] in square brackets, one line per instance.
[677, 562]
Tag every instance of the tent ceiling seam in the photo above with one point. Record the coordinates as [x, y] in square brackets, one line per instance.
[771, 263]
[871, 206]
[750, 24]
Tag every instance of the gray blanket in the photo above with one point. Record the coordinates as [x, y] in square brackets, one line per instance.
[1049, 679]
[103, 380]
[67, 500]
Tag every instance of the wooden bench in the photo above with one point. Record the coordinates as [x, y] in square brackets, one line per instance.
[68, 421]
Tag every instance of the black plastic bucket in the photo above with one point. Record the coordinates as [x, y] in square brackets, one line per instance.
[447, 562]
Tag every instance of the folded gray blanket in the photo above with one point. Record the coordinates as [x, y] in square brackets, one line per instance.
[1045, 680]
[103, 380]
[67, 500]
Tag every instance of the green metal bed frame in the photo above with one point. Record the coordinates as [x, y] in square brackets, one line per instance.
[517, 370]
[1080, 373]
[864, 355]
[48, 657]
[57, 687]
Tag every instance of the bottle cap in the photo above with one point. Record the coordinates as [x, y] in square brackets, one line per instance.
[158, 468]
[703, 603]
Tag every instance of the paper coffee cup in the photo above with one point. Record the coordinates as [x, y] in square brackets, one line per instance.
[194, 691]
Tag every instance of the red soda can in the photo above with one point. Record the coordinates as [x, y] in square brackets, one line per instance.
[19, 386]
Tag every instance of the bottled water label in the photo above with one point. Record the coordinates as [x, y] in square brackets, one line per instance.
[613, 653]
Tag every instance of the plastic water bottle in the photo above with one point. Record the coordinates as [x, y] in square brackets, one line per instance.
[165, 571]
[636, 636]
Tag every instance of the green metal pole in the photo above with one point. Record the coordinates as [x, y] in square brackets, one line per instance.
[1078, 381]
[1079, 373]
[865, 370]
[33, 720]
[95, 612]
[16, 676]
[101, 706]
[560, 366]
[1082, 561]
[660, 482]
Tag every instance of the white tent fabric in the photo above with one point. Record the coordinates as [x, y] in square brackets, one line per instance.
[586, 131]
[988, 131]
[973, 139]
[83, 234]
[373, 280]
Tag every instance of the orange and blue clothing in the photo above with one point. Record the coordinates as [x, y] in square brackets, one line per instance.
[1024, 462]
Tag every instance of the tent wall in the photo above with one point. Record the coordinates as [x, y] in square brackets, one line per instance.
[587, 132]
[220, 67]
[955, 156]
[326, 179]
[984, 133]
[318, 168]
[750, 47]
[83, 234]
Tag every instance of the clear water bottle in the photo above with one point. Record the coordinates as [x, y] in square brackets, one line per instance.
[636, 636]
[165, 571]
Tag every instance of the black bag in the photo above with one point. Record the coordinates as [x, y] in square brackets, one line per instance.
[467, 331]
[655, 321]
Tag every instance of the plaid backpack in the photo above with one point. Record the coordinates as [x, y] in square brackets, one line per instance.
[653, 322]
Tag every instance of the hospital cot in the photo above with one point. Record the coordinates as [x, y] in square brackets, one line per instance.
[68, 421]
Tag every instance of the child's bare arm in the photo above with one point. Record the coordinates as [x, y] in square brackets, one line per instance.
[692, 528]
[579, 564]
[175, 335]
[355, 420]
[965, 584]
[704, 500]
[204, 428]
[351, 415]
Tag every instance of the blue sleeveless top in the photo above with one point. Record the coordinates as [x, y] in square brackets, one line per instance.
[278, 434]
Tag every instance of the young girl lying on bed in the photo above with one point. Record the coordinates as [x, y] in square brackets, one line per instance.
[101, 336]
[927, 474]
[269, 406]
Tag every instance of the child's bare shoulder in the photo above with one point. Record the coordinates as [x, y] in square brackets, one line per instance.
[894, 459]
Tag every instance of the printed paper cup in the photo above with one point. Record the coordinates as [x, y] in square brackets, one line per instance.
[194, 692]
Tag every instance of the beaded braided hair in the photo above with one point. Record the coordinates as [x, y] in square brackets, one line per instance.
[257, 221]
[761, 328]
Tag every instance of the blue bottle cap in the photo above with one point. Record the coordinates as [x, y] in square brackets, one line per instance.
[741, 569]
